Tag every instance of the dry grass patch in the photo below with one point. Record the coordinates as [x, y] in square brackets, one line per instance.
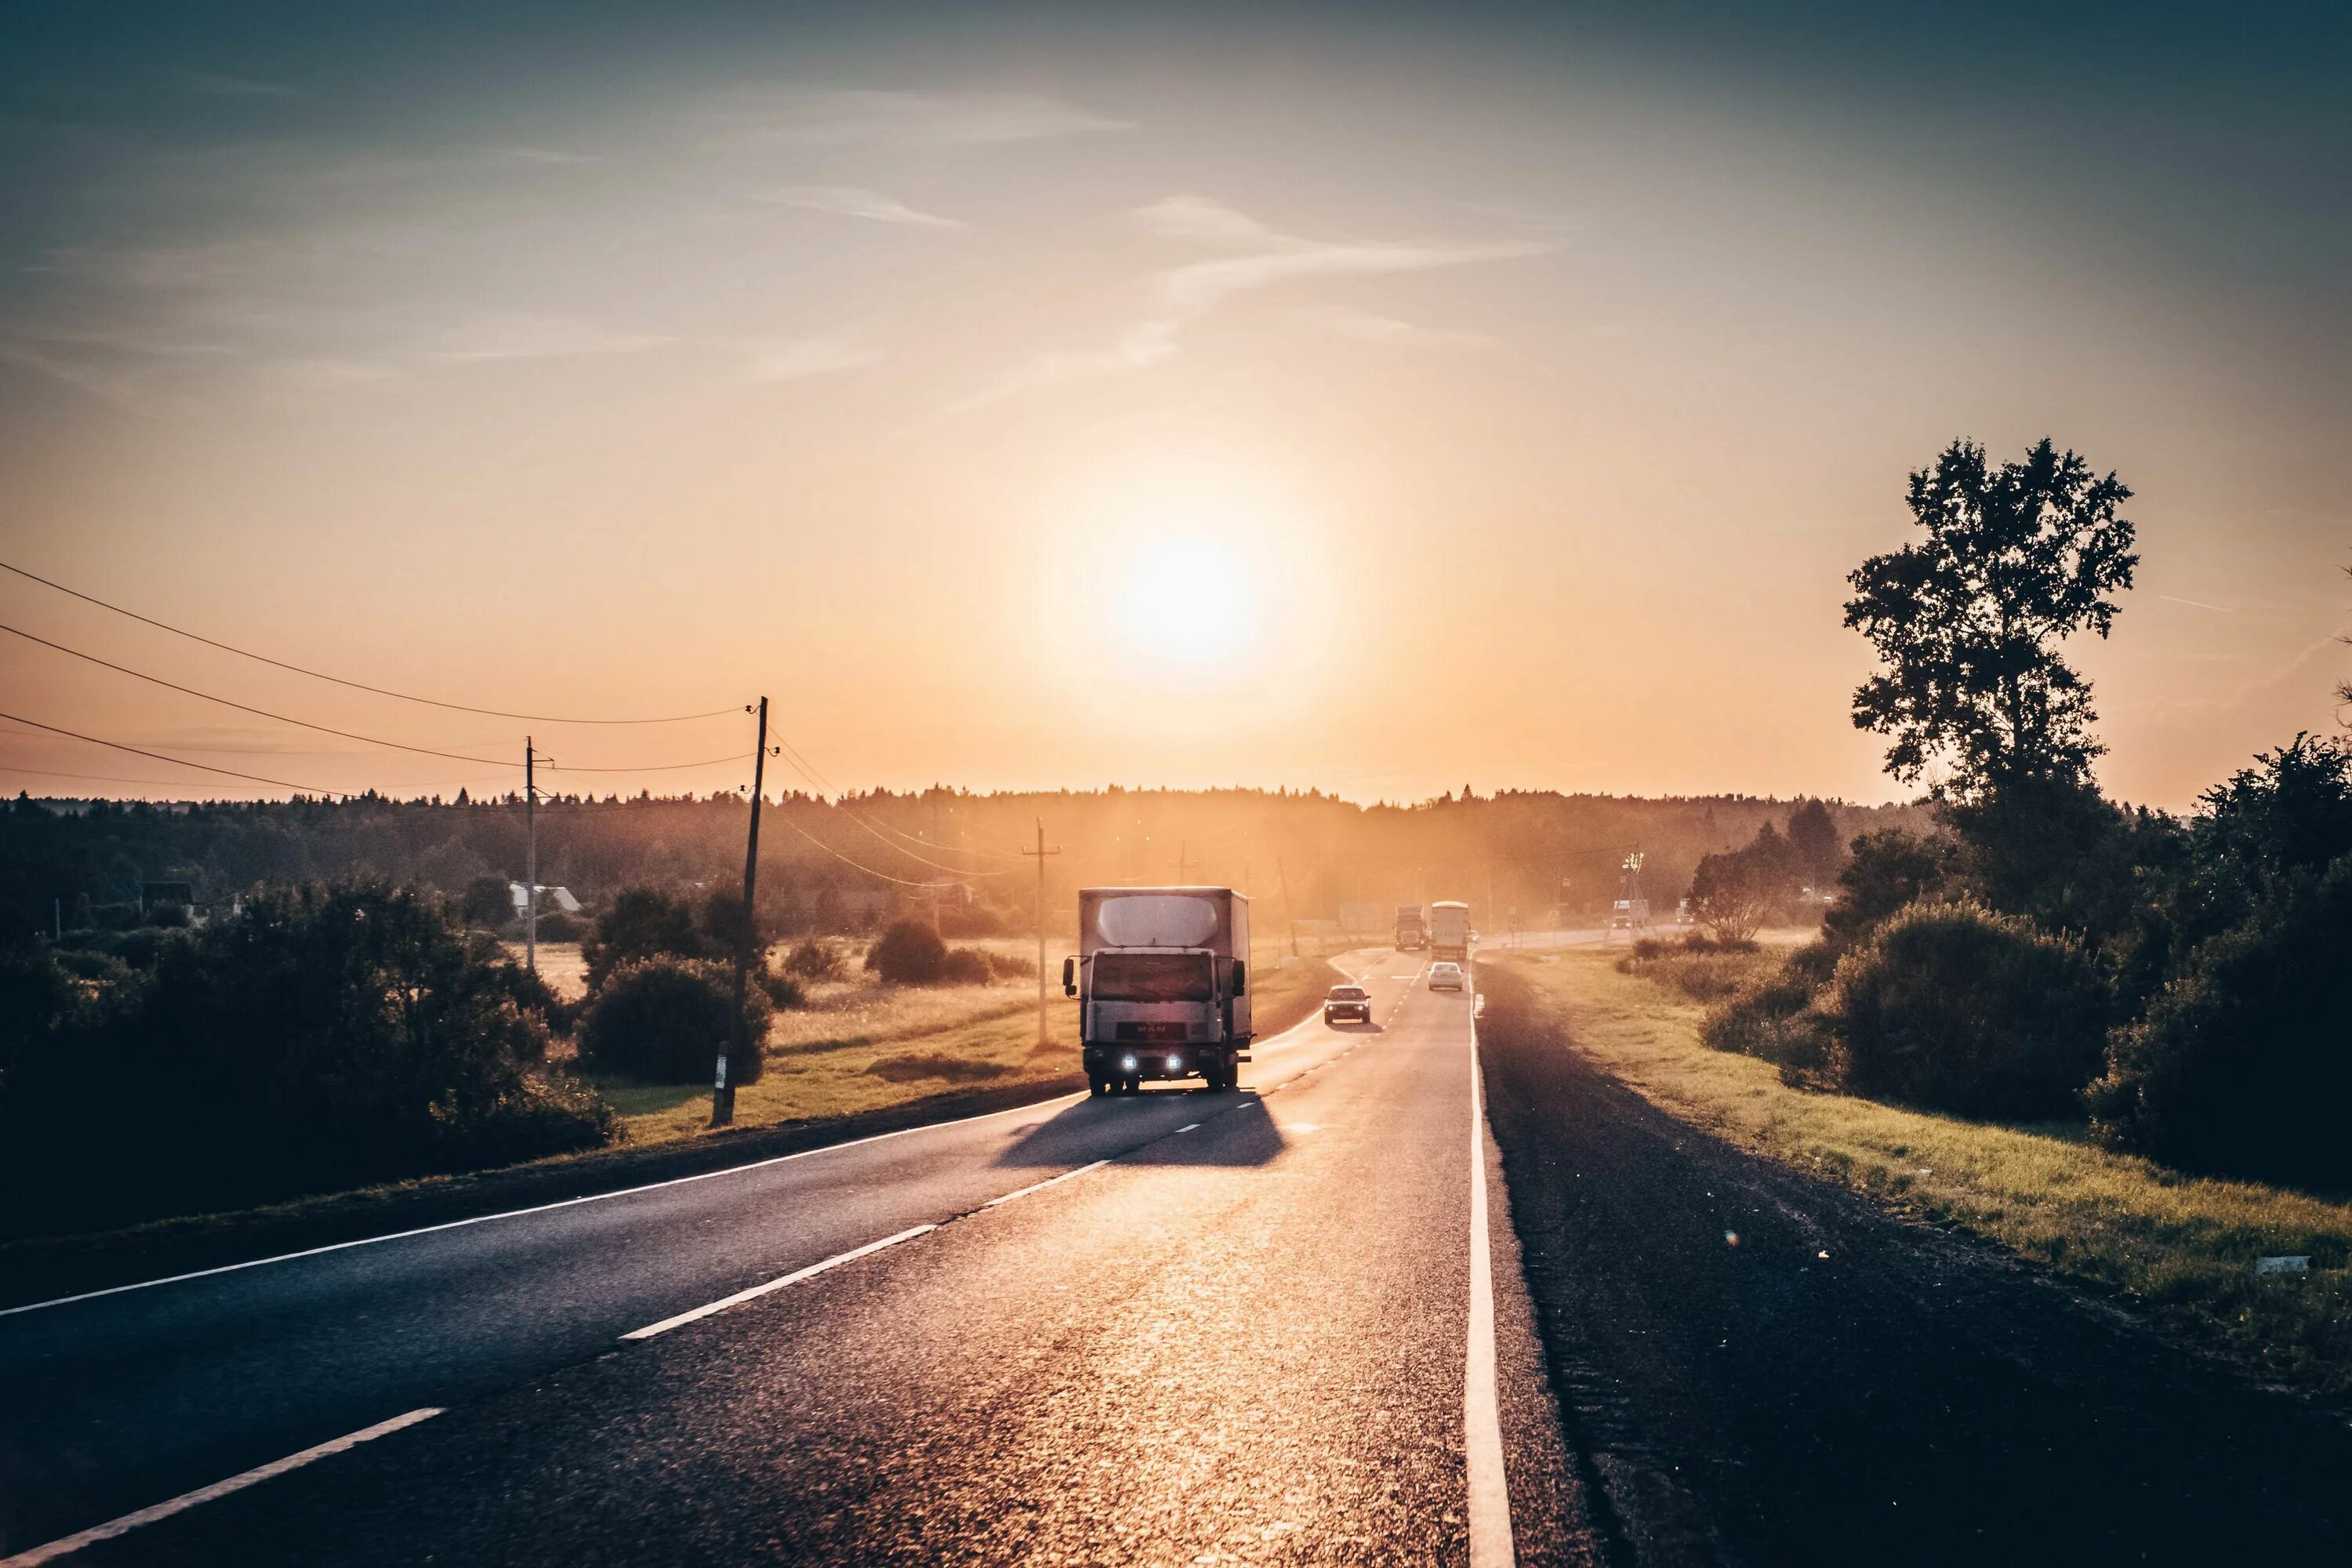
[2185, 1245]
[860, 1044]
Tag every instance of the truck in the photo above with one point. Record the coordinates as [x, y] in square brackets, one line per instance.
[1161, 976]
[1449, 931]
[1412, 931]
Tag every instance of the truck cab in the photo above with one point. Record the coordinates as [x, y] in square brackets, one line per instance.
[1162, 982]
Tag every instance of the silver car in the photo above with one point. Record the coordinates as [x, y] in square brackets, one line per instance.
[1446, 976]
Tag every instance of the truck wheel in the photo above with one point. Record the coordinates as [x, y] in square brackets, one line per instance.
[1098, 1087]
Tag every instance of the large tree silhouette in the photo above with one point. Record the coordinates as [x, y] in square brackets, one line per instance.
[1969, 620]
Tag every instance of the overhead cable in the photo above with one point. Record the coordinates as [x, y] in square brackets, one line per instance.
[176, 762]
[354, 684]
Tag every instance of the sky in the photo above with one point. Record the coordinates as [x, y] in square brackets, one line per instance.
[1051, 396]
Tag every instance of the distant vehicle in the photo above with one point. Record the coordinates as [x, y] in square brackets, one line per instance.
[1449, 930]
[1348, 1002]
[1411, 929]
[1162, 981]
[1445, 976]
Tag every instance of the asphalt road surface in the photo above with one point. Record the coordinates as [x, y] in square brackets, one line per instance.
[1180, 1328]
[1239, 1326]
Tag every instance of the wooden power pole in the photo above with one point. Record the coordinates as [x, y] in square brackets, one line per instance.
[530, 859]
[1045, 1037]
[722, 1088]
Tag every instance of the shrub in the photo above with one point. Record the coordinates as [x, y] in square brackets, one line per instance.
[1887, 870]
[814, 960]
[315, 1042]
[642, 924]
[1700, 967]
[2242, 1064]
[965, 966]
[784, 990]
[1952, 1006]
[1776, 1022]
[662, 1019]
[1011, 966]
[487, 901]
[554, 925]
[909, 954]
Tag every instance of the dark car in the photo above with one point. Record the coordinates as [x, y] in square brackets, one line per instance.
[1348, 1002]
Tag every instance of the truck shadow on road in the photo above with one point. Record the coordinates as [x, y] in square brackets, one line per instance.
[1229, 1129]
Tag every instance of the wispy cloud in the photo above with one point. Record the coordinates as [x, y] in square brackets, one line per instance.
[1365, 327]
[501, 335]
[800, 358]
[131, 387]
[1181, 296]
[848, 117]
[851, 201]
[213, 86]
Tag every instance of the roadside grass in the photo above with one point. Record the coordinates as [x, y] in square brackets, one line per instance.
[862, 1046]
[2183, 1247]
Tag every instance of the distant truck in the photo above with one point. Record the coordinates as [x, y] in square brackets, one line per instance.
[1412, 931]
[1449, 931]
[1161, 978]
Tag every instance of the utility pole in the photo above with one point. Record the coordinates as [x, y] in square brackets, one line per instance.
[530, 859]
[1183, 863]
[1040, 852]
[1288, 908]
[722, 1089]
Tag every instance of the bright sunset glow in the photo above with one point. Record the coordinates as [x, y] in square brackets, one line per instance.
[1189, 605]
[888, 374]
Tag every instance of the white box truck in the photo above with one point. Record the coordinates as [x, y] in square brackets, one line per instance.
[1449, 931]
[1161, 978]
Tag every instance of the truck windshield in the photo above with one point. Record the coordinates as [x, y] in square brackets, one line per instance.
[1153, 977]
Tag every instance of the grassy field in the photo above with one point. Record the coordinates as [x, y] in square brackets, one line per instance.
[2180, 1245]
[862, 1046]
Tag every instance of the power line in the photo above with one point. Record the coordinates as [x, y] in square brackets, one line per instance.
[247, 707]
[348, 734]
[176, 762]
[808, 771]
[844, 859]
[339, 680]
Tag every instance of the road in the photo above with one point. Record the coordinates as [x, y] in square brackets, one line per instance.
[1178, 1328]
[1241, 1325]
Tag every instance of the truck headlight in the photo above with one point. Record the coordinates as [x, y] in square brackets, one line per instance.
[1128, 1063]
[1175, 1064]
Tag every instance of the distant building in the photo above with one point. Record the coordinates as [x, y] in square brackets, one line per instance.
[558, 897]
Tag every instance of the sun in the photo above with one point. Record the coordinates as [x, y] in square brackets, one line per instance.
[1188, 604]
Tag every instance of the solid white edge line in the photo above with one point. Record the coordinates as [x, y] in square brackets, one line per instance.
[560, 1204]
[129, 1522]
[794, 1278]
[1048, 1181]
[1482, 1420]
[538, 1208]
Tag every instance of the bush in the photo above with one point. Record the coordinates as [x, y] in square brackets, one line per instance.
[966, 966]
[1011, 966]
[487, 901]
[662, 1019]
[1954, 1007]
[1887, 870]
[642, 924]
[783, 990]
[1776, 1022]
[315, 1042]
[2242, 1064]
[909, 954]
[554, 925]
[814, 960]
[1702, 968]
